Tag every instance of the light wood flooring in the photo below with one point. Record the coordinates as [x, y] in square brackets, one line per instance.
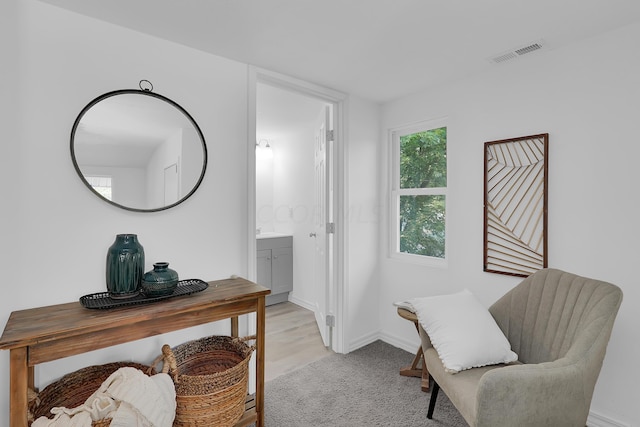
[292, 339]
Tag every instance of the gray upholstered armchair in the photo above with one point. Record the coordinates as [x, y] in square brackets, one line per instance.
[559, 324]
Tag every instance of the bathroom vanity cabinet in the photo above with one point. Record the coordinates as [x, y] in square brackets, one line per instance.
[275, 266]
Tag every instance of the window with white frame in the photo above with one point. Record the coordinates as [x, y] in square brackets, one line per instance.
[101, 184]
[419, 192]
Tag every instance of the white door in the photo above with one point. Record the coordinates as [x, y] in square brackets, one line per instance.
[323, 233]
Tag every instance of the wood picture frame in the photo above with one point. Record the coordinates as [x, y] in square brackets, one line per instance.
[515, 205]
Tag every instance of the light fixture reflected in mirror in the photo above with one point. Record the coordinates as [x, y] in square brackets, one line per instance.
[263, 149]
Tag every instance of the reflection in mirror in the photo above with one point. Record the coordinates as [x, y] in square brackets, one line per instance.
[138, 150]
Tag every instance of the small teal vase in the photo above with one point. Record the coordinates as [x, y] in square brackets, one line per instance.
[160, 281]
[125, 266]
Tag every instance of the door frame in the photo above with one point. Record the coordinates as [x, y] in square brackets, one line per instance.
[258, 75]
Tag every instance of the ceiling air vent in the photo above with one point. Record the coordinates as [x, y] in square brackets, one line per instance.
[505, 57]
[516, 53]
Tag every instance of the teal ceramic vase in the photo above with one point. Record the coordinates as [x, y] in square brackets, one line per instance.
[160, 281]
[125, 266]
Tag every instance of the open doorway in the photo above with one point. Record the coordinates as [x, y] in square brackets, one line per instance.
[293, 207]
[334, 307]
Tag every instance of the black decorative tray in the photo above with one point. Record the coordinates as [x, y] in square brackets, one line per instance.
[102, 300]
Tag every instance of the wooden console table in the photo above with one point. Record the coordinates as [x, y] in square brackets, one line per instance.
[44, 334]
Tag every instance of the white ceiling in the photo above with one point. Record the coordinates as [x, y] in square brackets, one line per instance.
[377, 49]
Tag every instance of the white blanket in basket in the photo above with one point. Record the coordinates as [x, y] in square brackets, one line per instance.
[129, 397]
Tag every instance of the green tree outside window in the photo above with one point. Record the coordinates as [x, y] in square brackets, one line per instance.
[423, 169]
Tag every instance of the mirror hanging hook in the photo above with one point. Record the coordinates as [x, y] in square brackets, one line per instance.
[148, 87]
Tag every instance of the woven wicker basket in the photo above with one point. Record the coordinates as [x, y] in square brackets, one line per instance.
[73, 389]
[211, 377]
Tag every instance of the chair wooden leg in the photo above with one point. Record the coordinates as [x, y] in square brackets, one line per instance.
[432, 401]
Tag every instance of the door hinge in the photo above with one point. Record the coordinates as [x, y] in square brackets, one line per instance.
[330, 135]
[331, 227]
[331, 320]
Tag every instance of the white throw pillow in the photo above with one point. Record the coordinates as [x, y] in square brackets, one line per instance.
[462, 331]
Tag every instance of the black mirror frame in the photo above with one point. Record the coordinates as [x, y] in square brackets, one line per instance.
[154, 95]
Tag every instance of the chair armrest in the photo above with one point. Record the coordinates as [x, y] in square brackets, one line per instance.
[513, 395]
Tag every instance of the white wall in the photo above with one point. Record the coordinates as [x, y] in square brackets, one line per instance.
[586, 98]
[190, 160]
[362, 221]
[55, 232]
[128, 184]
[166, 154]
[10, 147]
[264, 193]
[10, 150]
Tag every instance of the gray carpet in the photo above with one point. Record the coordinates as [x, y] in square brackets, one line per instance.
[362, 388]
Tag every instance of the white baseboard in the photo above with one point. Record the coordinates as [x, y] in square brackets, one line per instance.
[302, 303]
[406, 345]
[598, 420]
[362, 341]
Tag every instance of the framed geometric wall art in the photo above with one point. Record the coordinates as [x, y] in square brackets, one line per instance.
[515, 205]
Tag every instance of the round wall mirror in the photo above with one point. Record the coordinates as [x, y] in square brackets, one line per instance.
[138, 150]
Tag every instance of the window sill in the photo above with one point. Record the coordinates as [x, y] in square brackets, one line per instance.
[420, 260]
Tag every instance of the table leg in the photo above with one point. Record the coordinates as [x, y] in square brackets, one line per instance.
[260, 351]
[19, 377]
[418, 369]
[414, 370]
[424, 383]
[234, 326]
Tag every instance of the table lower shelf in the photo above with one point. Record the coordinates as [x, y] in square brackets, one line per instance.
[250, 415]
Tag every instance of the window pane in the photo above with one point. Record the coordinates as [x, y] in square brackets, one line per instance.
[422, 225]
[423, 159]
[102, 184]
